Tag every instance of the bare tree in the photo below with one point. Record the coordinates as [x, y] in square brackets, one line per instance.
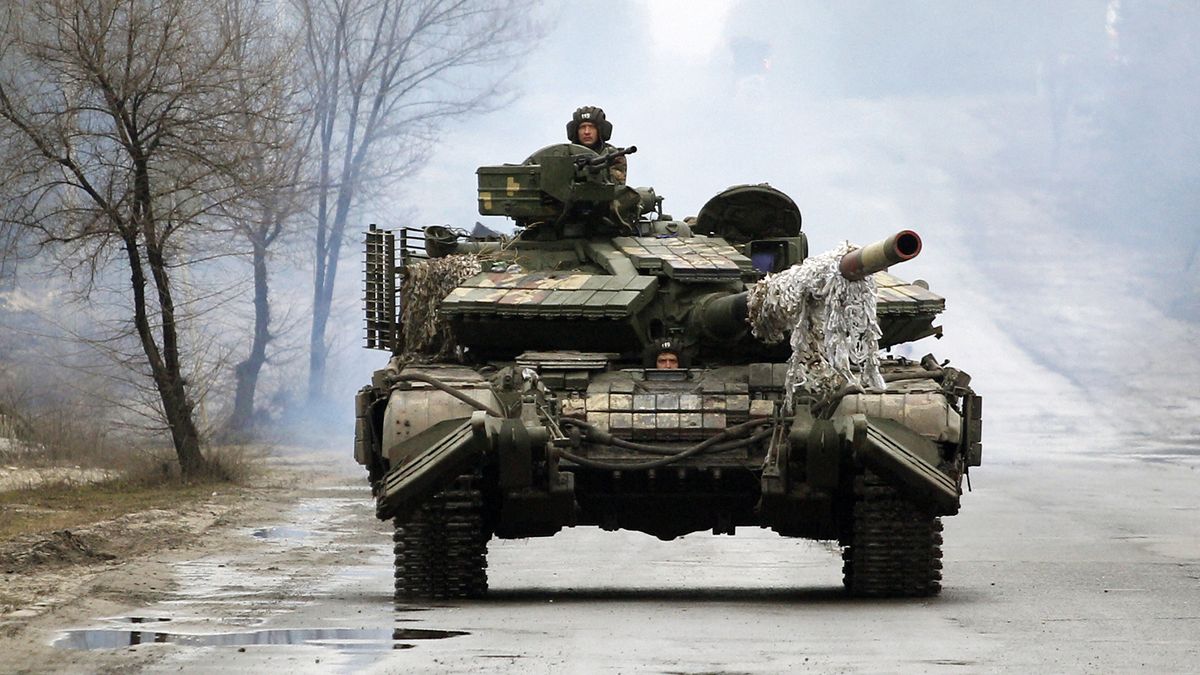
[134, 118]
[10, 245]
[280, 168]
[385, 75]
[272, 218]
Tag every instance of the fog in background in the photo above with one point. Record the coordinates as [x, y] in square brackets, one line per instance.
[1046, 152]
[1046, 155]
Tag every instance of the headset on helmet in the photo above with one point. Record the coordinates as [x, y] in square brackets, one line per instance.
[589, 113]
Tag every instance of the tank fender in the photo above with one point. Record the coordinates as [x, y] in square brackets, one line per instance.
[909, 461]
[902, 456]
[438, 456]
[927, 412]
[413, 408]
[972, 446]
[363, 447]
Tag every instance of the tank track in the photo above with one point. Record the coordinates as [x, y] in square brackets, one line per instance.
[896, 547]
[441, 550]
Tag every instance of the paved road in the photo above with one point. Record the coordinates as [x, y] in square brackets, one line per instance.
[1073, 566]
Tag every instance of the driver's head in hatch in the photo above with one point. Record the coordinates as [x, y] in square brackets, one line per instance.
[667, 355]
[667, 360]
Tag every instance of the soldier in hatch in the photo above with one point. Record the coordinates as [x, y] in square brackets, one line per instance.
[589, 128]
[667, 360]
[666, 355]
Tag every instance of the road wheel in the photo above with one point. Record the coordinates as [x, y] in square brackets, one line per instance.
[441, 550]
[896, 546]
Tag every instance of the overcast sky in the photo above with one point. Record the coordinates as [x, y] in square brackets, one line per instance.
[717, 93]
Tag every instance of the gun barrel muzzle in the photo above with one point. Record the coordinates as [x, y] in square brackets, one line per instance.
[863, 262]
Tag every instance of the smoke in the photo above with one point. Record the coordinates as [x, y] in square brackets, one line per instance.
[1044, 152]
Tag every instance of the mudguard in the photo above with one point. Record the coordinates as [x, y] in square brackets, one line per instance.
[451, 447]
[906, 458]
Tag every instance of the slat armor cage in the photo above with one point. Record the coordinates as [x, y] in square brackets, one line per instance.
[383, 277]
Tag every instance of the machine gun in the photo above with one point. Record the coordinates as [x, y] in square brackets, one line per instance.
[605, 159]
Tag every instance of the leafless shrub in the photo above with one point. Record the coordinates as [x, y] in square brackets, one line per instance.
[223, 464]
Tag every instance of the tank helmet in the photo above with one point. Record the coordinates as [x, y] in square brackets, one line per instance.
[665, 346]
[592, 114]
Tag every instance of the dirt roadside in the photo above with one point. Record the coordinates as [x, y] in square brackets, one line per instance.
[55, 580]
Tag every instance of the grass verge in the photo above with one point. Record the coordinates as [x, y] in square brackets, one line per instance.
[152, 483]
[61, 506]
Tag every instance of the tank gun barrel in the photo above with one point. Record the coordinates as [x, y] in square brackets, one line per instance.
[863, 262]
[722, 317]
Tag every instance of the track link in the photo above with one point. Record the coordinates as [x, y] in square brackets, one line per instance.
[441, 550]
[896, 547]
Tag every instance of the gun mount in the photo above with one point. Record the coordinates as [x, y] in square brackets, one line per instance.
[563, 184]
[533, 401]
[722, 317]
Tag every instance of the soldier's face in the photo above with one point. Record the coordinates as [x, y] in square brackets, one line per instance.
[588, 134]
[667, 360]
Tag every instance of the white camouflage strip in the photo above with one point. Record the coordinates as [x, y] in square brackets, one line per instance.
[834, 328]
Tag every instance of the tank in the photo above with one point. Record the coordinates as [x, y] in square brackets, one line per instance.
[609, 366]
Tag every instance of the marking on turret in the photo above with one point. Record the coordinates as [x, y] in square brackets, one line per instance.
[512, 186]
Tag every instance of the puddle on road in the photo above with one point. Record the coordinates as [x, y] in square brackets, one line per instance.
[281, 533]
[245, 593]
[345, 639]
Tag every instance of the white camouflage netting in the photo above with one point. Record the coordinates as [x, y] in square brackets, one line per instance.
[835, 332]
[421, 292]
